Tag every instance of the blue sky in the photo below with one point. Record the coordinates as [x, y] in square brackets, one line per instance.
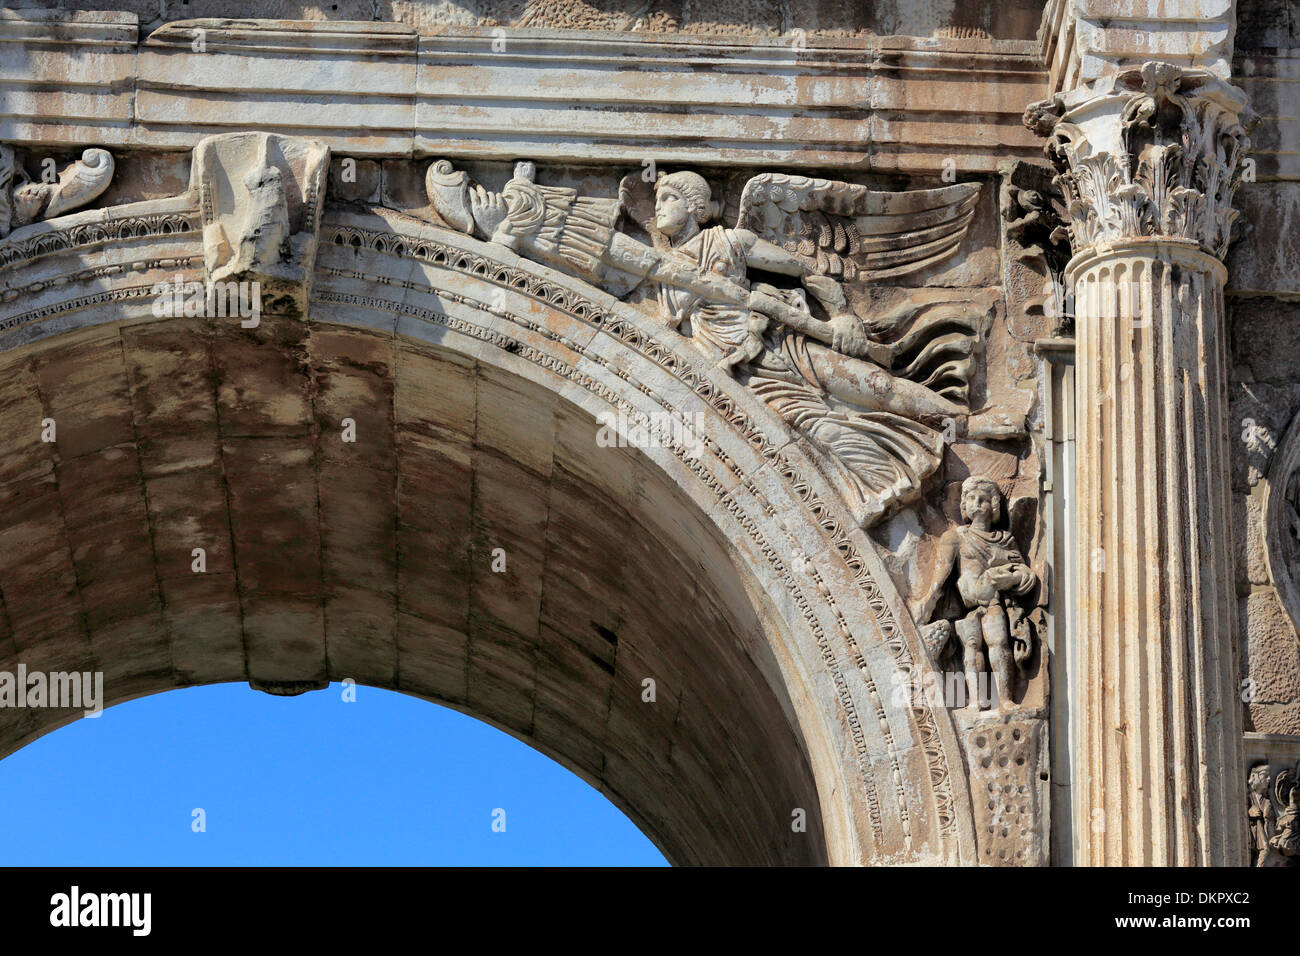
[309, 780]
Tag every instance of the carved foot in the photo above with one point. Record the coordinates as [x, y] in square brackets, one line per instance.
[995, 425]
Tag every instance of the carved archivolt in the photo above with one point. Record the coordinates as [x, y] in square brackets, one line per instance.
[873, 396]
[853, 620]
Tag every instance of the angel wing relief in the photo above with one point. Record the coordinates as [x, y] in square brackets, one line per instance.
[875, 397]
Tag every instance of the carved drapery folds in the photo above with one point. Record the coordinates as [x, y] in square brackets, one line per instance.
[978, 606]
[24, 201]
[875, 395]
[1273, 814]
[1149, 152]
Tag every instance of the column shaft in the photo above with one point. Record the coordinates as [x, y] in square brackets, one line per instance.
[1150, 159]
[1158, 711]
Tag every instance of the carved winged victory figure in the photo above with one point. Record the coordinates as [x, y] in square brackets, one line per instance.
[875, 407]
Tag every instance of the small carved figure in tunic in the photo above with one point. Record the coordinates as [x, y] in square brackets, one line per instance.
[1262, 815]
[990, 570]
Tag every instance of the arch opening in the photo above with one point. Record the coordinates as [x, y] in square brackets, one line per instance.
[220, 775]
[475, 546]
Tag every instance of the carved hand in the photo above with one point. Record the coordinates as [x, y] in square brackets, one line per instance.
[488, 209]
[1011, 577]
[848, 335]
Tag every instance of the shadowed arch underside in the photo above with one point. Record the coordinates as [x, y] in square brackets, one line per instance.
[374, 560]
[476, 545]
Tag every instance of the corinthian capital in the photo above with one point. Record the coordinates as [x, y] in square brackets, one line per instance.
[1154, 151]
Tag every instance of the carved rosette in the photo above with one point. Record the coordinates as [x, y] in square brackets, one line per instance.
[1149, 152]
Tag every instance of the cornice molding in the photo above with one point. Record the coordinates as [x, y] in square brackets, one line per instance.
[382, 90]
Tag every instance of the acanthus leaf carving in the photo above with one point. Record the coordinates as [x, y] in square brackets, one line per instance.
[1154, 151]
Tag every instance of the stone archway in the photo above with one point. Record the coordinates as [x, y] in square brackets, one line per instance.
[476, 382]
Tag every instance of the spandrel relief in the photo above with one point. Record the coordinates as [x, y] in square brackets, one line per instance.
[878, 396]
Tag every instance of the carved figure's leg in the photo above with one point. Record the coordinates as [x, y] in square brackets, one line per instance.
[997, 635]
[862, 383]
[969, 633]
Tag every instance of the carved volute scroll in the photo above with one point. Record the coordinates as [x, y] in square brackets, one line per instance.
[24, 201]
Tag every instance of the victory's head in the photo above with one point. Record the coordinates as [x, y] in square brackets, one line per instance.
[682, 201]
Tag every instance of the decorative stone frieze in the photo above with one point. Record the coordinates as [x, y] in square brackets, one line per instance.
[380, 90]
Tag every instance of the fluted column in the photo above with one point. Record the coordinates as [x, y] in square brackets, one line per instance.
[1149, 161]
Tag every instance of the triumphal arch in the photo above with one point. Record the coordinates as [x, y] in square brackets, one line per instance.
[841, 432]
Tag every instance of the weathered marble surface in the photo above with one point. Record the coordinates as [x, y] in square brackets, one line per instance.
[779, 632]
[384, 89]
